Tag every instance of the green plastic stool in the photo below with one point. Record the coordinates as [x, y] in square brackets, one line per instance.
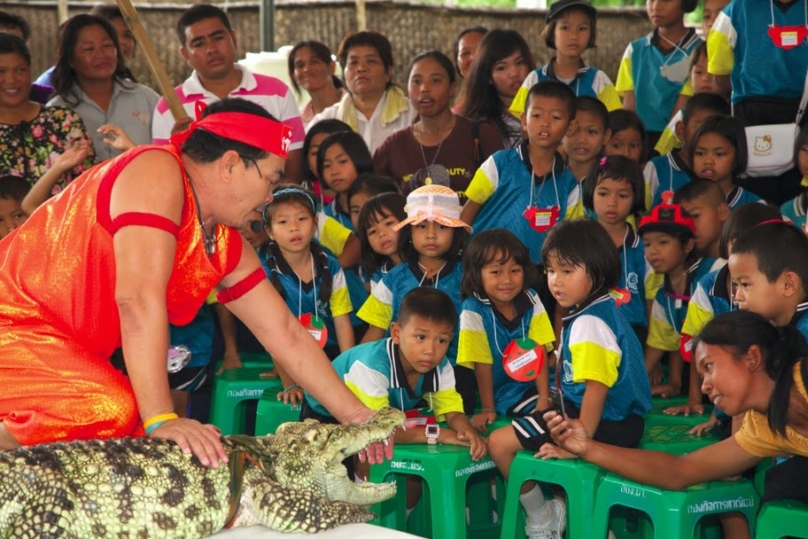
[675, 514]
[231, 389]
[675, 439]
[785, 518]
[272, 413]
[579, 480]
[446, 470]
[252, 361]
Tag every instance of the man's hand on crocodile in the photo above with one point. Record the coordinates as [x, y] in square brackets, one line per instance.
[204, 441]
[376, 453]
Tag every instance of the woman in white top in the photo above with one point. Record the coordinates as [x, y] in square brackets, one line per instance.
[375, 107]
[312, 69]
[90, 78]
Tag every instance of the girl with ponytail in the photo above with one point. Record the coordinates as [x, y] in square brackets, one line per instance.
[750, 369]
[309, 280]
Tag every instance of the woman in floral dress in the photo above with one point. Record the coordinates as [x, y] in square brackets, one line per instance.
[32, 136]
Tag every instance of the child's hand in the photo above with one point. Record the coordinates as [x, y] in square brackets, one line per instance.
[73, 156]
[116, 137]
[468, 436]
[685, 409]
[552, 451]
[666, 391]
[292, 395]
[704, 428]
[483, 419]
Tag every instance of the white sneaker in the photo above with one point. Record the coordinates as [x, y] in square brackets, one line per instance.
[554, 527]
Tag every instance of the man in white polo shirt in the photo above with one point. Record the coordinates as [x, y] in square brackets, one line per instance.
[208, 44]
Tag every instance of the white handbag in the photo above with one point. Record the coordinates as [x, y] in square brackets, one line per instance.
[771, 147]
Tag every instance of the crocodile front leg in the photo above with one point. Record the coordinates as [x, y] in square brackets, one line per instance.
[286, 510]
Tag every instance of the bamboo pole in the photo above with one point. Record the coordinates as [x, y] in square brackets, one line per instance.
[144, 42]
[61, 10]
[361, 16]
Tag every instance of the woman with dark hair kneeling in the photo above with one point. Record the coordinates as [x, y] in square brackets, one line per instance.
[750, 370]
[136, 244]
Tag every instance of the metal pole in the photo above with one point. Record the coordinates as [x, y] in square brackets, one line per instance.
[266, 14]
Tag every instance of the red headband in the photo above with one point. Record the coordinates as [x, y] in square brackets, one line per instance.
[256, 131]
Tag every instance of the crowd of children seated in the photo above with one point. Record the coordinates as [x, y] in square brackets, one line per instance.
[490, 232]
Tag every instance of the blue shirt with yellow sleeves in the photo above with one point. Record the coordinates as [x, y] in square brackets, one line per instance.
[303, 298]
[589, 81]
[384, 302]
[374, 372]
[669, 311]
[665, 173]
[505, 187]
[633, 271]
[485, 334]
[739, 45]
[656, 78]
[598, 344]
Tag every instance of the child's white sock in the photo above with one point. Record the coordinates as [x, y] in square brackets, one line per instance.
[536, 508]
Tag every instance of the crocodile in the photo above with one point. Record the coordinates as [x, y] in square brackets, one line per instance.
[291, 481]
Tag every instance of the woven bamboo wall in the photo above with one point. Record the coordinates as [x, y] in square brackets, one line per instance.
[411, 28]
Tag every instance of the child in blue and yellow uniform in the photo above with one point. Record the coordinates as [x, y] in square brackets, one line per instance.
[528, 190]
[704, 201]
[667, 173]
[406, 368]
[714, 296]
[600, 365]
[500, 308]
[570, 30]
[668, 234]
[341, 158]
[654, 68]
[795, 209]
[380, 247]
[614, 192]
[310, 281]
[719, 153]
[431, 239]
[762, 46]
[769, 266]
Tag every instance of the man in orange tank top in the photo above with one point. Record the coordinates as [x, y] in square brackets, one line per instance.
[134, 244]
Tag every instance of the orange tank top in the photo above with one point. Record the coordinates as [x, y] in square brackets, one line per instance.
[57, 271]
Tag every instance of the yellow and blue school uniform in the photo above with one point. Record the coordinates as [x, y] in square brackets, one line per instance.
[507, 190]
[485, 334]
[711, 298]
[333, 236]
[669, 309]
[665, 173]
[384, 302]
[739, 45]
[303, 298]
[656, 78]
[633, 271]
[380, 273]
[794, 210]
[589, 81]
[335, 211]
[739, 196]
[597, 343]
[374, 373]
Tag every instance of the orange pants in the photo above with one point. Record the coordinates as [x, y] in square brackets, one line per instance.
[52, 389]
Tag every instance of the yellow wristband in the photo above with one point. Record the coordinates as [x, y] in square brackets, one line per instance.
[159, 418]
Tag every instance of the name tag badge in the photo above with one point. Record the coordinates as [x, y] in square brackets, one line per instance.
[542, 220]
[523, 359]
[316, 328]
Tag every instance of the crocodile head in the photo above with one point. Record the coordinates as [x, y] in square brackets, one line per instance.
[309, 455]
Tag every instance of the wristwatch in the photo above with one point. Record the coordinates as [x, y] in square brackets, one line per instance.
[432, 433]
